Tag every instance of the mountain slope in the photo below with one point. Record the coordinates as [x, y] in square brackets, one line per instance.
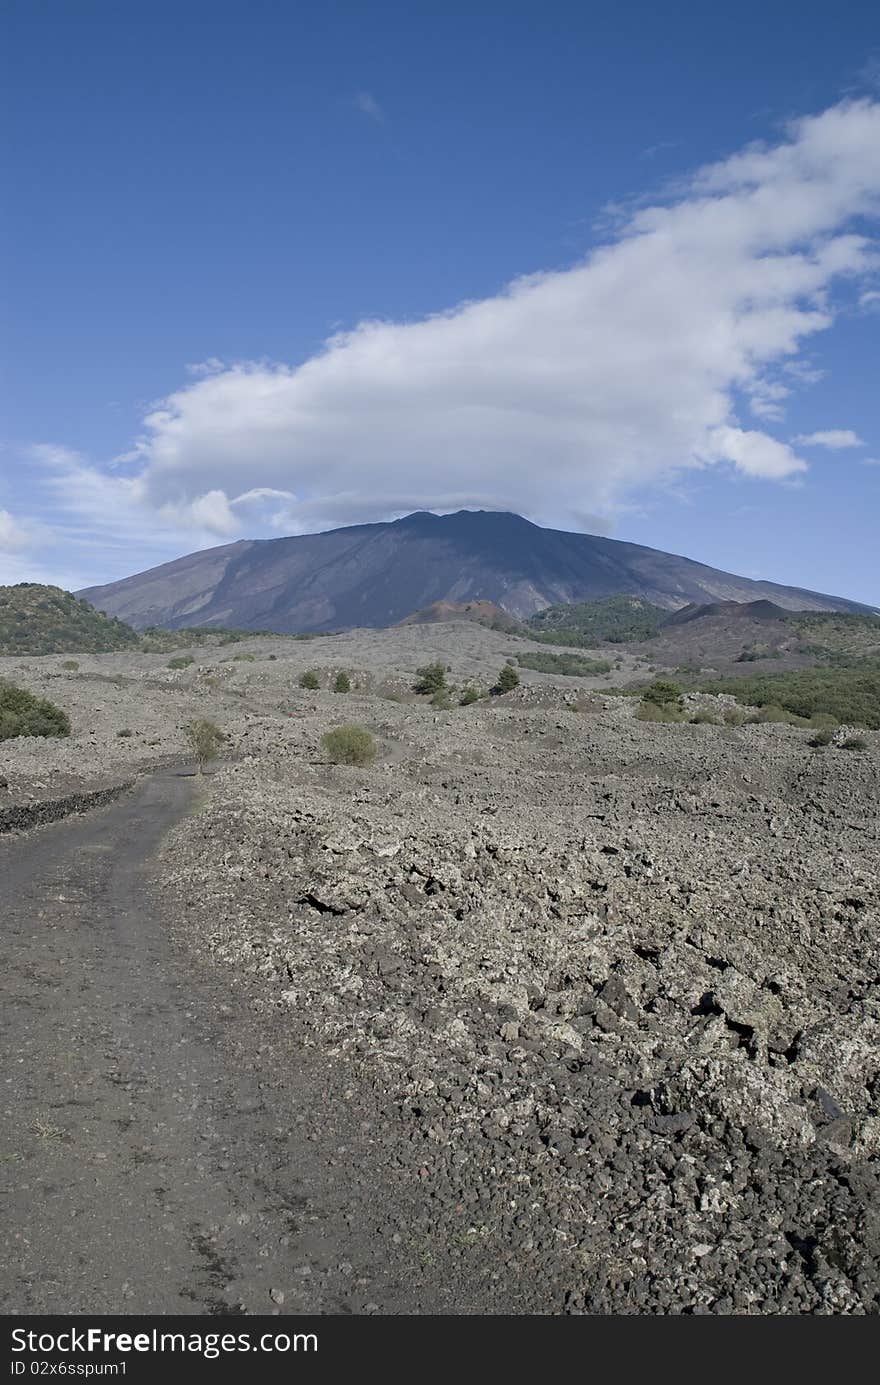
[36, 619]
[377, 574]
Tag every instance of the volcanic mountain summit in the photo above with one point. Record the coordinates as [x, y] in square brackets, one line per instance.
[377, 574]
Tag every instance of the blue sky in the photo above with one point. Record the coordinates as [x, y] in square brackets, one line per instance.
[554, 272]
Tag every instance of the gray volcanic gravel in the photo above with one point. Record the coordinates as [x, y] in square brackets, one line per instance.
[608, 989]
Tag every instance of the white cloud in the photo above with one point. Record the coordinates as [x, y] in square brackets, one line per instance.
[212, 366]
[13, 536]
[755, 454]
[558, 397]
[835, 439]
[368, 105]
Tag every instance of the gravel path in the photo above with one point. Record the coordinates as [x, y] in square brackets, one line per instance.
[151, 1159]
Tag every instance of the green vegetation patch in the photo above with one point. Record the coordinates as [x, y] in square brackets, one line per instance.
[23, 714]
[569, 665]
[850, 695]
[583, 624]
[837, 637]
[38, 619]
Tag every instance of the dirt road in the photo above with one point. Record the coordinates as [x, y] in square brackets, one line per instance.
[154, 1156]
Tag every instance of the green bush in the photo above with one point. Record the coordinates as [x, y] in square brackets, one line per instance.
[661, 693]
[660, 711]
[23, 714]
[342, 683]
[704, 718]
[125, 733]
[854, 743]
[568, 665]
[244, 658]
[71, 665]
[820, 739]
[468, 696]
[430, 679]
[309, 680]
[350, 745]
[181, 661]
[733, 716]
[442, 699]
[508, 679]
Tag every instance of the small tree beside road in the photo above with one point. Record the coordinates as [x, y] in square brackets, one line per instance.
[205, 741]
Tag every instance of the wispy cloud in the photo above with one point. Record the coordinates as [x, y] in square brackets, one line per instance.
[835, 439]
[367, 104]
[13, 535]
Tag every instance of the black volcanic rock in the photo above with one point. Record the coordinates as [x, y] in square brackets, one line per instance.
[377, 574]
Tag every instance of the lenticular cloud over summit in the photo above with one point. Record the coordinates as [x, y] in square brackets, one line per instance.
[672, 346]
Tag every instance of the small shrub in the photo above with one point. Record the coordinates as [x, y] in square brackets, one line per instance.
[703, 718]
[342, 683]
[820, 739]
[442, 699]
[660, 711]
[23, 714]
[244, 658]
[309, 680]
[508, 679]
[430, 679]
[468, 696]
[125, 732]
[772, 715]
[204, 739]
[181, 661]
[71, 665]
[733, 716]
[854, 743]
[661, 693]
[350, 745]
